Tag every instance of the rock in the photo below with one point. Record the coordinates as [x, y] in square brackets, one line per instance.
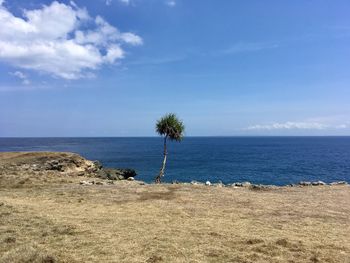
[338, 183]
[237, 184]
[100, 183]
[97, 165]
[119, 174]
[259, 187]
[305, 183]
[54, 165]
[101, 174]
[86, 183]
[219, 184]
[246, 184]
[208, 183]
[318, 183]
[110, 182]
[128, 173]
[131, 179]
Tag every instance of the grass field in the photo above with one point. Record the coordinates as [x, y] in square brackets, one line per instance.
[58, 220]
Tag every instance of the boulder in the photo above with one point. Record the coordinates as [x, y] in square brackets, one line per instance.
[98, 165]
[53, 165]
[219, 184]
[131, 179]
[338, 183]
[101, 174]
[305, 183]
[119, 174]
[318, 183]
[86, 183]
[246, 184]
[259, 187]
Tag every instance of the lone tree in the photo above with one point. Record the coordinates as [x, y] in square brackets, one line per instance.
[170, 127]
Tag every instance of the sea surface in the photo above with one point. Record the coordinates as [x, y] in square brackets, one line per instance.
[265, 160]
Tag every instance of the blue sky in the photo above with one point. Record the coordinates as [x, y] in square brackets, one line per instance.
[111, 68]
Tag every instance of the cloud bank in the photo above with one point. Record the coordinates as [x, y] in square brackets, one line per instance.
[249, 47]
[20, 75]
[296, 126]
[61, 40]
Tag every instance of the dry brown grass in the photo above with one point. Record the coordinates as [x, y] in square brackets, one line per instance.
[128, 222]
[51, 218]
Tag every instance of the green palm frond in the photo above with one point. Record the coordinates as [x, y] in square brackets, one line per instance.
[170, 126]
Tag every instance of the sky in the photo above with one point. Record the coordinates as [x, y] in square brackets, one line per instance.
[226, 68]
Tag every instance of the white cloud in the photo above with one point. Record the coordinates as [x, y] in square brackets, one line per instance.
[171, 3]
[126, 2]
[19, 74]
[248, 47]
[54, 40]
[23, 77]
[296, 125]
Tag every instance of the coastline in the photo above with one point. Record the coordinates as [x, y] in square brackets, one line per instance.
[74, 165]
[49, 216]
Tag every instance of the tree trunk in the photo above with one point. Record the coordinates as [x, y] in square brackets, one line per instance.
[161, 172]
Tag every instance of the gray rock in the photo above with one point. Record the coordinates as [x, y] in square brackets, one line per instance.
[101, 174]
[97, 165]
[85, 183]
[260, 187]
[338, 183]
[119, 174]
[305, 183]
[54, 165]
[131, 179]
[219, 184]
[208, 183]
[318, 183]
[246, 184]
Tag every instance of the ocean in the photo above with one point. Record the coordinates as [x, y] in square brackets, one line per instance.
[259, 160]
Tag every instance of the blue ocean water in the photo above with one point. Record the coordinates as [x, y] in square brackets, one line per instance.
[266, 160]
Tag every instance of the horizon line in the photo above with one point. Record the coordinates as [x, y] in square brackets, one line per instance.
[149, 136]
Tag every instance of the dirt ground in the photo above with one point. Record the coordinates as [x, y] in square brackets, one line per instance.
[58, 220]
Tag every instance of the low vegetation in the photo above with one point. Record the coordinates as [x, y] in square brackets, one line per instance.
[62, 221]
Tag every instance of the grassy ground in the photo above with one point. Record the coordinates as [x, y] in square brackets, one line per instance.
[58, 220]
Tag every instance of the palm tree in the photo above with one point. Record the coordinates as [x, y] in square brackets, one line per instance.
[170, 127]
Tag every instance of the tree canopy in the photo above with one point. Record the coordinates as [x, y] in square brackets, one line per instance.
[171, 127]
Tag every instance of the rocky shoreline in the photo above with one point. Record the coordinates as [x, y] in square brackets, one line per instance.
[262, 186]
[73, 165]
